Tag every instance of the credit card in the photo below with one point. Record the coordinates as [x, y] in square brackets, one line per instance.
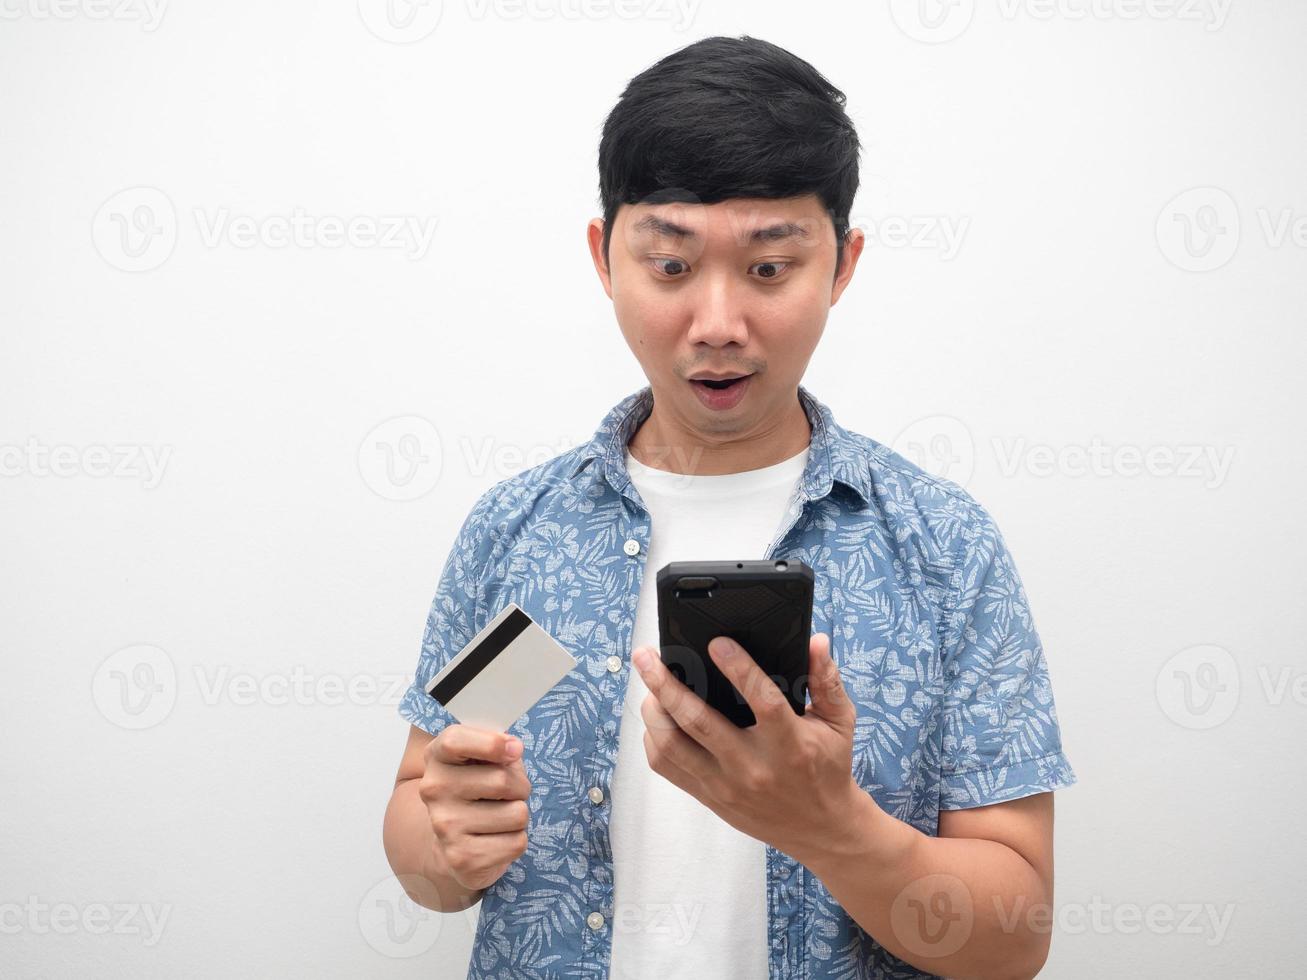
[502, 672]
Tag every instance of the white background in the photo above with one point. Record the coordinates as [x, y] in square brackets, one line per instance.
[150, 620]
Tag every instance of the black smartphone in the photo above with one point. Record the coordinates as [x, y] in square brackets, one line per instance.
[765, 605]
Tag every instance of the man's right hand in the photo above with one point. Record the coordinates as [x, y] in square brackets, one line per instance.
[476, 793]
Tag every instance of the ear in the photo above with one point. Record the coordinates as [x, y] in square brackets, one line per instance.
[594, 233]
[853, 243]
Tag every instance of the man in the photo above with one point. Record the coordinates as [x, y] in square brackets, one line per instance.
[903, 826]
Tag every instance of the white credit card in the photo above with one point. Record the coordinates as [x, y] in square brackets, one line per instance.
[502, 672]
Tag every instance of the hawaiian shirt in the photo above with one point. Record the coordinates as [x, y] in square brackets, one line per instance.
[929, 625]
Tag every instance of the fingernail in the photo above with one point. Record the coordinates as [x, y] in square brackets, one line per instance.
[514, 747]
[641, 657]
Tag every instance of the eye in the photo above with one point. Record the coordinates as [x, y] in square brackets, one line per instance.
[770, 270]
[674, 269]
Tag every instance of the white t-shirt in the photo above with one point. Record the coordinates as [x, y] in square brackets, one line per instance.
[689, 889]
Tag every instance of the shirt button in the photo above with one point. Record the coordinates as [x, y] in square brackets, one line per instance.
[632, 546]
[594, 920]
[596, 794]
[614, 664]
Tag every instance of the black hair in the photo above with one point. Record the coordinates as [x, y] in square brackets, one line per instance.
[729, 117]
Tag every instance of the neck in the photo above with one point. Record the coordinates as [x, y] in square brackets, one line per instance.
[666, 442]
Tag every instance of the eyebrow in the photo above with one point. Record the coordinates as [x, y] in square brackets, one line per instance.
[778, 232]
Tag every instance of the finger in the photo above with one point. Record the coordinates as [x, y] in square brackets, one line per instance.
[489, 782]
[477, 860]
[461, 744]
[770, 706]
[706, 725]
[671, 772]
[656, 717]
[830, 699]
[468, 818]
[671, 745]
[496, 816]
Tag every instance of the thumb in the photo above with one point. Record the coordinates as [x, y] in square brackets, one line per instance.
[829, 698]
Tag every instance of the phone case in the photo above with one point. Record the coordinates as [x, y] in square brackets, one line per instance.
[765, 605]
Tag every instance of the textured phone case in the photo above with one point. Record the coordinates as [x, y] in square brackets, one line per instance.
[765, 605]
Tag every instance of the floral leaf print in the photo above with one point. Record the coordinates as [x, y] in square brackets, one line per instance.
[930, 629]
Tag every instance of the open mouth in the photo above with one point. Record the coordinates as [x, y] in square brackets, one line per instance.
[719, 385]
[722, 394]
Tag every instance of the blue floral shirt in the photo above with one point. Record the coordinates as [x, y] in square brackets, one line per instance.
[928, 622]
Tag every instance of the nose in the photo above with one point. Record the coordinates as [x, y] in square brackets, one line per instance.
[717, 312]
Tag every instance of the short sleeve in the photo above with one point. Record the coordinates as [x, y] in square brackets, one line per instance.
[451, 621]
[1001, 739]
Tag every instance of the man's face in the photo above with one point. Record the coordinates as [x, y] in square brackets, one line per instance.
[742, 287]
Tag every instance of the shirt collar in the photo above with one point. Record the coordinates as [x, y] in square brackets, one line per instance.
[833, 454]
